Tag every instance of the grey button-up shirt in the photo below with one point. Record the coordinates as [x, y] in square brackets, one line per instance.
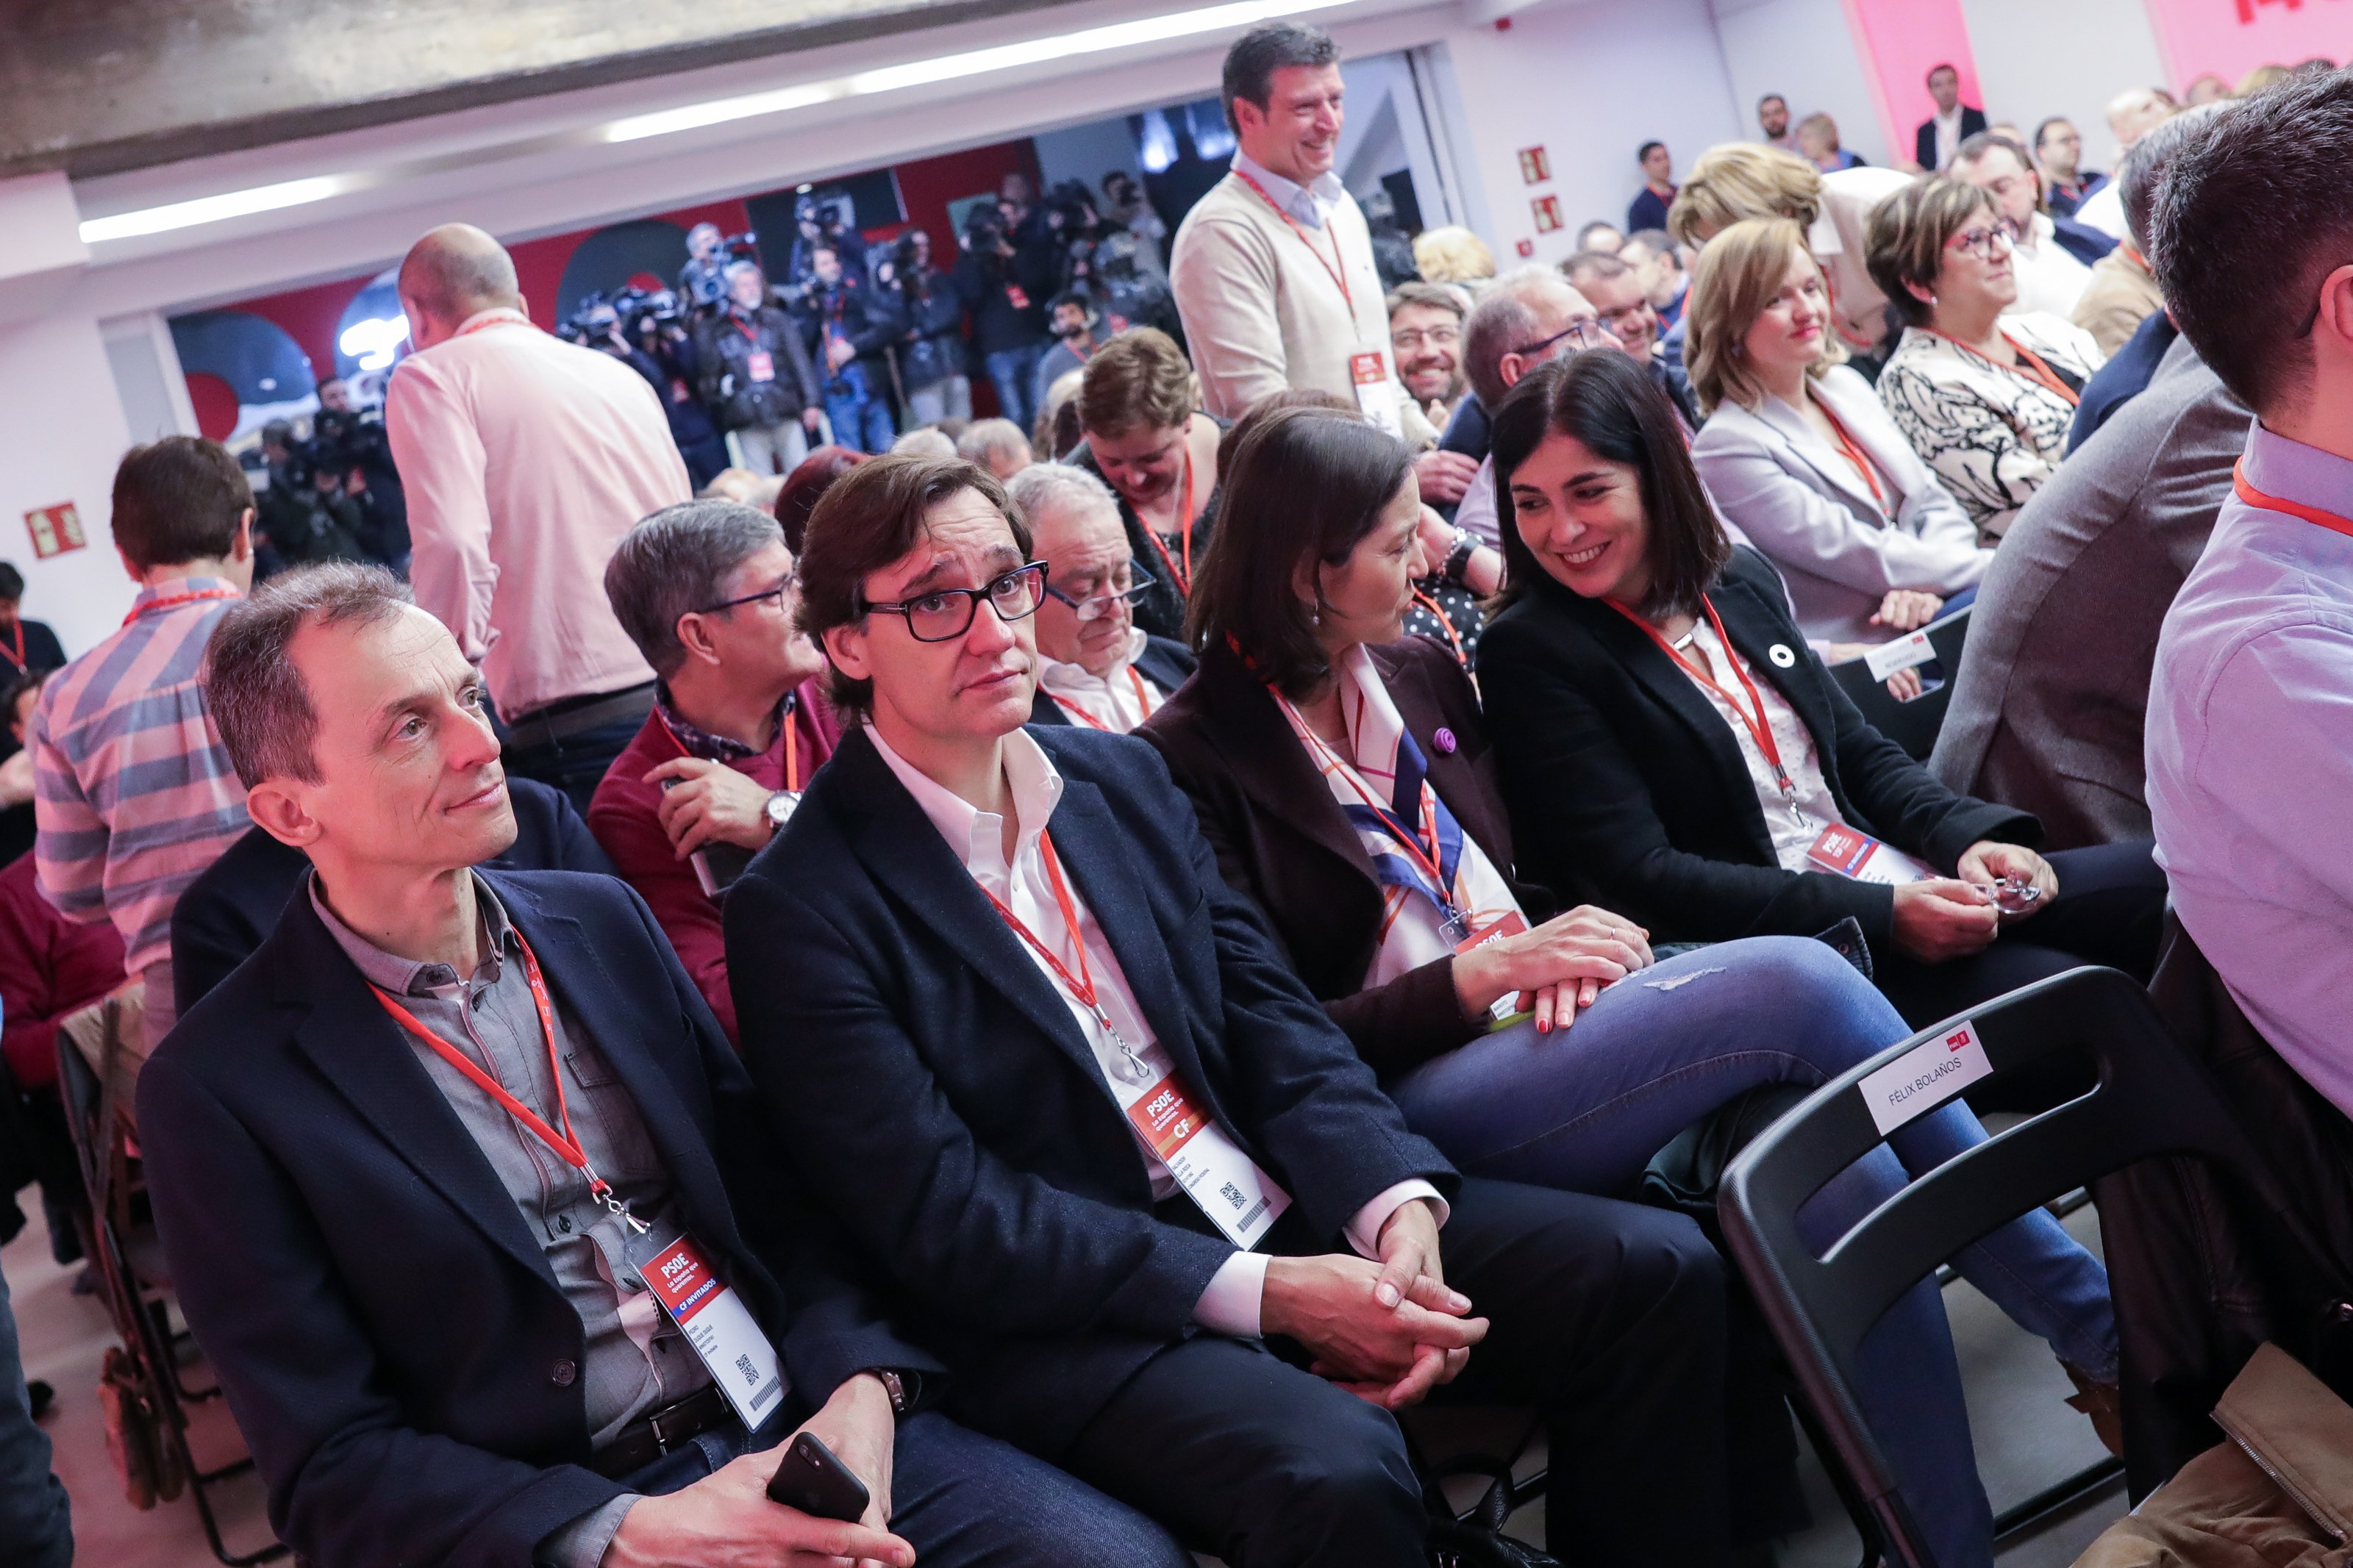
[634, 1359]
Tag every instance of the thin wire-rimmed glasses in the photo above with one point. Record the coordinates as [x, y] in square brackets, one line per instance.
[1097, 606]
[946, 614]
[791, 581]
[1585, 329]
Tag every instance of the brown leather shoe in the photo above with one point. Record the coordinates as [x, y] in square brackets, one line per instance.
[2099, 1402]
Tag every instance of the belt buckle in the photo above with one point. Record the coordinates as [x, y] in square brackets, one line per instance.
[654, 1425]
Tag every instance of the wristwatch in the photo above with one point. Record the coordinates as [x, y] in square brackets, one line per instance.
[780, 809]
[1458, 560]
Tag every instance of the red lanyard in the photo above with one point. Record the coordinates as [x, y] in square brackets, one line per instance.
[1182, 576]
[1336, 271]
[2035, 369]
[1854, 454]
[1143, 701]
[1760, 728]
[1446, 623]
[1420, 847]
[17, 653]
[2312, 514]
[1082, 984]
[792, 747]
[468, 331]
[565, 1143]
[163, 602]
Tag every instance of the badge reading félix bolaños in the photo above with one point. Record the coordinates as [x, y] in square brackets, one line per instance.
[719, 1327]
[1240, 1198]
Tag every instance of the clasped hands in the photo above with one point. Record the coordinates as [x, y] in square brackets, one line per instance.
[711, 803]
[1952, 917]
[1387, 1331]
[1556, 968]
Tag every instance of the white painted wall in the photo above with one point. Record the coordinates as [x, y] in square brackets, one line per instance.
[62, 428]
[2040, 58]
[1592, 83]
[1803, 51]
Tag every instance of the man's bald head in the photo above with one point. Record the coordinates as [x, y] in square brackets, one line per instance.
[1518, 310]
[452, 273]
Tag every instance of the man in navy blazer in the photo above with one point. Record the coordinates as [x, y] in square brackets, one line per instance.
[437, 1321]
[227, 912]
[1001, 939]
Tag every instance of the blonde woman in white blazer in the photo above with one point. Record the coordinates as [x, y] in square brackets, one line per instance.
[1798, 450]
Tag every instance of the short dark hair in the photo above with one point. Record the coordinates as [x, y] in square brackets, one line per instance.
[675, 561]
[2249, 217]
[872, 515]
[1903, 240]
[1306, 484]
[2043, 129]
[1601, 264]
[1781, 98]
[1644, 149]
[255, 693]
[2141, 174]
[1943, 66]
[178, 500]
[807, 485]
[1609, 405]
[12, 581]
[1257, 55]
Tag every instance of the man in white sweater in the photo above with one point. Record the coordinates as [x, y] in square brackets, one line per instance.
[1273, 269]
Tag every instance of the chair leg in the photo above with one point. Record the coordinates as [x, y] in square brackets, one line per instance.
[1858, 1512]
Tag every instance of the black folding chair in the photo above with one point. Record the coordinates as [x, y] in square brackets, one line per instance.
[128, 1257]
[1913, 725]
[2151, 1098]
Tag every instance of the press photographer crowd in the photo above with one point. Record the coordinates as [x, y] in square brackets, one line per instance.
[1576, 793]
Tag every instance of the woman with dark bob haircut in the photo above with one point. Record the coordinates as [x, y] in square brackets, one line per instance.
[1345, 781]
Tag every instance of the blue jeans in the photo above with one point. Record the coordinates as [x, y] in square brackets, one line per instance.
[1014, 374]
[1585, 1109]
[961, 1500]
[861, 419]
[36, 1521]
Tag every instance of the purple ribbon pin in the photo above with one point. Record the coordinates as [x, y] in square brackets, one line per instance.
[1444, 740]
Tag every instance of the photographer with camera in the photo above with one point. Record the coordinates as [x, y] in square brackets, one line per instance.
[927, 319]
[703, 281]
[756, 376]
[1005, 287]
[1126, 210]
[850, 332]
[655, 326]
[351, 440]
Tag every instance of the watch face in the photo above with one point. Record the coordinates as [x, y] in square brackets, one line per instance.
[781, 807]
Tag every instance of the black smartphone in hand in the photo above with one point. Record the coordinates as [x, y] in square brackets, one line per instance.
[814, 1481]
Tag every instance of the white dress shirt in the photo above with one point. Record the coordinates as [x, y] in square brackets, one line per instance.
[1118, 699]
[1948, 136]
[2050, 279]
[1231, 1304]
[2250, 754]
[2104, 209]
[524, 459]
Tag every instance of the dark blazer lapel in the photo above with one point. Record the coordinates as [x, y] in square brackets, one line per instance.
[1756, 630]
[1095, 853]
[1659, 675]
[368, 1057]
[619, 1026]
[894, 840]
[1266, 759]
[1449, 770]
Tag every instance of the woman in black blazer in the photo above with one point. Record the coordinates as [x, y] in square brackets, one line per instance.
[1630, 751]
[1302, 742]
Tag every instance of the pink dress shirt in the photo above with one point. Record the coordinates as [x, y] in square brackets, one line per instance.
[526, 458]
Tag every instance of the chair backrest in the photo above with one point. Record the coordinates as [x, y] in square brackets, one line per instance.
[2151, 1098]
[1912, 725]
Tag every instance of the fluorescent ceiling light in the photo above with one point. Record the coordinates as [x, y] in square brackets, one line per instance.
[975, 62]
[213, 209]
[719, 111]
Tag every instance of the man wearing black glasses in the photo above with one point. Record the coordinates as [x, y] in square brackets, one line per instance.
[1055, 1080]
[1096, 667]
[1523, 319]
[706, 590]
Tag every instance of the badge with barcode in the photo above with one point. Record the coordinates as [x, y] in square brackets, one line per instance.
[1241, 1200]
[722, 1330]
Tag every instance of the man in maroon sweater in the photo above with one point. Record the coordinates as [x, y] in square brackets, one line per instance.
[49, 966]
[707, 590]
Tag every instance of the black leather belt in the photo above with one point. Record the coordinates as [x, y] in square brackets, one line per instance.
[571, 716]
[657, 1432]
